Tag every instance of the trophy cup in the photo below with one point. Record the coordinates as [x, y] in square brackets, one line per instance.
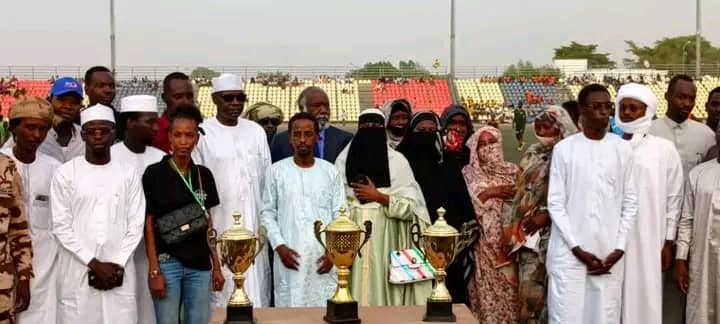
[342, 238]
[239, 247]
[440, 243]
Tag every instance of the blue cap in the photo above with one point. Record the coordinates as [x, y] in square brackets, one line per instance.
[66, 85]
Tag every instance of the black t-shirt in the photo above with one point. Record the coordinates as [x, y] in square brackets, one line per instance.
[166, 192]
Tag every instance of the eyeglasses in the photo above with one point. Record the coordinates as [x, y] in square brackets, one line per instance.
[241, 97]
[273, 121]
[601, 105]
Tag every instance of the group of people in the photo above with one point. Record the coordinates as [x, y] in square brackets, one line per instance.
[112, 213]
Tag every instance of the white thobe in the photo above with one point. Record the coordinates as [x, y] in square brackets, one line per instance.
[698, 240]
[592, 201]
[293, 199]
[238, 157]
[98, 211]
[36, 178]
[140, 162]
[51, 147]
[692, 139]
[659, 181]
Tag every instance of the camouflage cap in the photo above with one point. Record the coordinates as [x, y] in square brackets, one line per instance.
[32, 107]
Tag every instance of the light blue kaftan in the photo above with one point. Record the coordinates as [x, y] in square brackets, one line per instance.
[293, 199]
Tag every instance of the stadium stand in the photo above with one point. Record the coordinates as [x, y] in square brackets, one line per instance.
[431, 95]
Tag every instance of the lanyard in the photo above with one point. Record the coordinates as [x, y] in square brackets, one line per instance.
[187, 182]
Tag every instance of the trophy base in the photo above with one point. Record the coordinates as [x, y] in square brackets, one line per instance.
[240, 315]
[439, 312]
[342, 313]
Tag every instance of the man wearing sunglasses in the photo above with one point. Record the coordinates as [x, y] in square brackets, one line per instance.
[267, 115]
[236, 150]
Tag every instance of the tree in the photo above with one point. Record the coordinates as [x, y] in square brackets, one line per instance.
[203, 72]
[584, 51]
[526, 69]
[673, 54]
[375, 70]
[412, 69]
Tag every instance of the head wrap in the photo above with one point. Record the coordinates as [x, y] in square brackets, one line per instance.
[395, 134]
[97, 112]
[227, 82]
[423, 150]
[140, 103]
[450, 112]
[262, 110]
[559, 117]
[641, 93]
[368, 152]
[31, 107]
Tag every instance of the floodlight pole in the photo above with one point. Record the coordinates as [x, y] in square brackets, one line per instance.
[698, 55]
[452, 39]
[112, 36]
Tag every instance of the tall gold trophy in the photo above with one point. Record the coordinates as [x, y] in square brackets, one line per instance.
[440, 243]
[239, 247]
[342, 243]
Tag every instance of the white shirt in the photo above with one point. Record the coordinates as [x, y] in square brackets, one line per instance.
[98, 211]
[51, 147]
[238, 157]
[692, 139]
[36, 178]
[120, 152]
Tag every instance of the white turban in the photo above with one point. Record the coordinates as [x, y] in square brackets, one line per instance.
[97, 112]
[645, 95]
[227, 82]
[140, 103]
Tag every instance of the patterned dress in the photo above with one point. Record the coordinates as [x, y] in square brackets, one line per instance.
[492, 289]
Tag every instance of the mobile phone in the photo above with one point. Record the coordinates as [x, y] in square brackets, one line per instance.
[360, 179]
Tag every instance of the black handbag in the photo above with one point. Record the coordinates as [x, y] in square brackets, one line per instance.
[186, 221]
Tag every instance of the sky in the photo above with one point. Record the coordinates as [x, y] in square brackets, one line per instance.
[332, 32]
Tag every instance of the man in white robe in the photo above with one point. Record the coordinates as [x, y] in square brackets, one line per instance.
[30, 121]
[593, 204]
[98, 213]
[236, 150]
[139, 123]
[298, 191]
[659, 180]
[697, 264]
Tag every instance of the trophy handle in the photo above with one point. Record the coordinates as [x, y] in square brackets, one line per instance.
[317, 229]
[262, 240]
[415, 238]
[368, 233]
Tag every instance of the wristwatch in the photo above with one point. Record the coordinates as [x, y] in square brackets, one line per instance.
[155, 273]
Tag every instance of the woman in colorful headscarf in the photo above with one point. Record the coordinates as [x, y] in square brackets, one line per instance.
[526, 235]
[491, 181]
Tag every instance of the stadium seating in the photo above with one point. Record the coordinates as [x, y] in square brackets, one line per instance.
[124, 90]
[431, 95]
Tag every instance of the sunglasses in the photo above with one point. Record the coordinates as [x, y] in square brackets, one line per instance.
[241, 97]
[273, 121]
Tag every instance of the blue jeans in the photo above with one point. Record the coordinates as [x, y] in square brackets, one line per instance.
[184, 287]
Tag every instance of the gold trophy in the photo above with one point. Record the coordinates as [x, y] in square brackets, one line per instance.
[342, 237]
[440, 243]
[239, 247]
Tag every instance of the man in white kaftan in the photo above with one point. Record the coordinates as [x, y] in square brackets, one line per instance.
[140, 116]
[698, 259]
[36, 175]
[592, 201]
[295, 196]
[659, 180]
[237, 153]
[98, 213]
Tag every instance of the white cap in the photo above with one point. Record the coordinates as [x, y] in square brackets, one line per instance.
[97, 112]
[227, 82]
[140, 103]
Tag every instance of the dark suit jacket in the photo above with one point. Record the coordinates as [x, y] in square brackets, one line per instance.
[335, 141]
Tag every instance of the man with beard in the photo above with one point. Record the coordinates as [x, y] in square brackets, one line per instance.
[177, 91]
[332, 140]
[30, 121]
[267, 115]
[593, 205]
[98, 213]
[397, 114]
[298, 191]
[660, 201]
[139, 118]
[236, 150]
[692, 140]
[63, 141]
[382, 188]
